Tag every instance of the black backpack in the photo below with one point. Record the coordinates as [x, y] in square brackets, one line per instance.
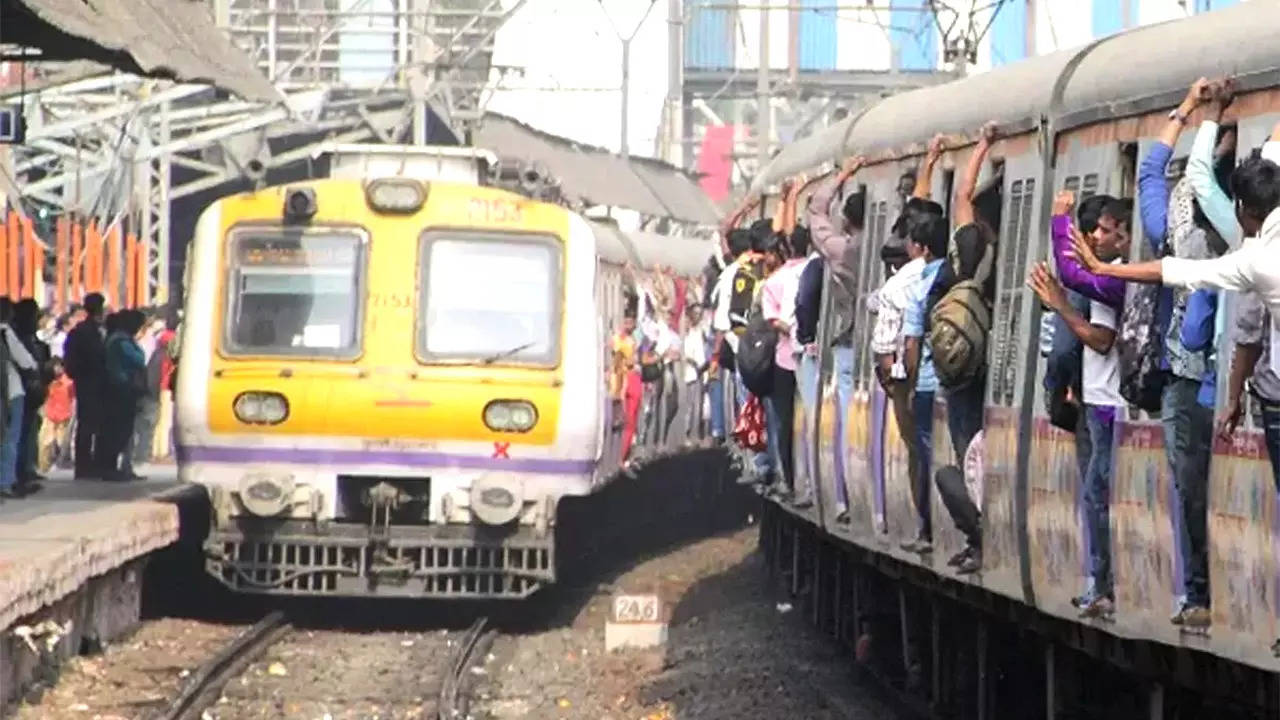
[1139, 346]
[742, 295]
[755, 354]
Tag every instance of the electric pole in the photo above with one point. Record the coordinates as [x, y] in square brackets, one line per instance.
[763, 122]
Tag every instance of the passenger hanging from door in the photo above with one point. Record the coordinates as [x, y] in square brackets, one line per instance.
[959, 326]
[1102, 398]
[903, 367]
[838, 252]
[1176, 223]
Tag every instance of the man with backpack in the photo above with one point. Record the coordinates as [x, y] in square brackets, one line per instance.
[786, 256]
[757, 369]
[959, 326]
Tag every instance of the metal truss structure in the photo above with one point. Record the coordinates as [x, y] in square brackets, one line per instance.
[122, 149]
[802, 102]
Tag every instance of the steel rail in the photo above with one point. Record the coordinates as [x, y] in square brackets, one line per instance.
[207, 682]
[452, 702]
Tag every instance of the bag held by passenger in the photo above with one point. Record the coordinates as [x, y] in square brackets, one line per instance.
[1139, 346]
[749, 430]
[755, 354]
[958, 330]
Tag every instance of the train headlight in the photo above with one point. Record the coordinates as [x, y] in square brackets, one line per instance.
[266, 495]
[496, 499]
[261, 408]
[395, 195]
[510, 416]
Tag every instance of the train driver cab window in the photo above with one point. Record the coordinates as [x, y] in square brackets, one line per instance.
[489, 298]
[294, 293]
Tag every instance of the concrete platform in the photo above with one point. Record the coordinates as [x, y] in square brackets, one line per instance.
[70, 565]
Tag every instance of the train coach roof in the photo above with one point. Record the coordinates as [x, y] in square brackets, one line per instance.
[646, 250]
[1133, 72]
[685, 255]
[1152, 61]
[612, 244]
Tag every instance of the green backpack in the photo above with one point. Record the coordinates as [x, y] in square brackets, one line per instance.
[959, 327]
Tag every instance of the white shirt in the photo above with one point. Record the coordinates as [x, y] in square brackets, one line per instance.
[721, 294]
[1102, 370]
[1255, 267]
[891, 304]
[21, 358]
[56, 342]
[695, 353]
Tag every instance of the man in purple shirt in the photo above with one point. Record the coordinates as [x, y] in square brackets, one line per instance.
[1071, 273]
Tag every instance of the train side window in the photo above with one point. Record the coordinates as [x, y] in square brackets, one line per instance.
[1015, 245]
[868, 282]
[948, 188]
[1090, 186]
[1128, 169]
[870, 232]
[1072, 183]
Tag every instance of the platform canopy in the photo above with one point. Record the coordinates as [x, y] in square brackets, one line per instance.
[174, 39]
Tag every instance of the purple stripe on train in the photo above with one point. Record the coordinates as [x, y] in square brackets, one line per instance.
[317, 456]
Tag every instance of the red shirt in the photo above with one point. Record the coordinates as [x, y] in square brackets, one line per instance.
[57, 407]
[166, 362]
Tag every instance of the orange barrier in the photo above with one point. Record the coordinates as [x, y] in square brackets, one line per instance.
[77, 263]
[61, 278]
[113, 268]
[84, 259]
[13, 234]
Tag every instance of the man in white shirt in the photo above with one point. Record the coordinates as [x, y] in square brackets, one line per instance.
[1102, 402]
[1254, 267]
[694, 352]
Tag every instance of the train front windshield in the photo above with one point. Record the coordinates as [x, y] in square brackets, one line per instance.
[294, 294]
[490, 298]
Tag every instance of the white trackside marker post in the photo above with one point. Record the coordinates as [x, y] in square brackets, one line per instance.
[635, 621]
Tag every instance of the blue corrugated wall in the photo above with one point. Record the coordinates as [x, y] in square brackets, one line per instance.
[1108, 17]
[914, 35]
[708, 40]
[1009, 33]
[817, 36]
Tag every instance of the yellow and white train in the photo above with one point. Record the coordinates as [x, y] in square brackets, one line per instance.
[388, 383]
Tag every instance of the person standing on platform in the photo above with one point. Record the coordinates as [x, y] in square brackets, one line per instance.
[17, 361]
[125, 385]
[26, 321]
[85, 357]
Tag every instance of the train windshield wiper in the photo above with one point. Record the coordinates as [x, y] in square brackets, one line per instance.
[506, 353]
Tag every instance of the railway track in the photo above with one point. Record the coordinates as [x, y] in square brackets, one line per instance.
[447, 700]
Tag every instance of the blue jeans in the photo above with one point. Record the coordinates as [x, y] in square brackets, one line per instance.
[1271, 429]
[766, 461]
[9, 443]
[807, 381]
[964, 414]
[1101, 422]
[715, 396]
[922, 414]
[1188, 429]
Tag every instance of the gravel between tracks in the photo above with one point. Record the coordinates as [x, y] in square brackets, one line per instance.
[132, 678]
[731, 652]
[341, 675]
